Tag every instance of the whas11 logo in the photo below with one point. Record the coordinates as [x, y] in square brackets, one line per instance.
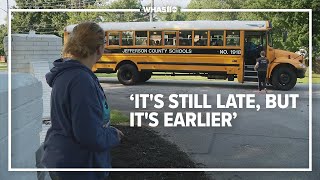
[163, 9]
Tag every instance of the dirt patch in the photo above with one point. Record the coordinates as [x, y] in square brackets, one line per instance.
[144, 148]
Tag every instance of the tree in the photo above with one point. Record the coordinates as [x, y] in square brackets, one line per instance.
[214, 4]
[43, 23]
[3, 33]
[75, 18]
[78, 17]
[54, 4]
[315, 5]
[296, 24]
[293, 25]
[125, 16]
[172, 16]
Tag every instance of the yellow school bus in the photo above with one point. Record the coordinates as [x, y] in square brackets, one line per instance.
[214, 49]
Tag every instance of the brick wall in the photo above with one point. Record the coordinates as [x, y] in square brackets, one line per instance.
[34, 53]
[26, 48]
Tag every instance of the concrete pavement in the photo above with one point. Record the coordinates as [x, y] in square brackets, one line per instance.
[270, 138]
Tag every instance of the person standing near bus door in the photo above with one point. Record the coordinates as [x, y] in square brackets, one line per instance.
[262, 66]
[80, 135]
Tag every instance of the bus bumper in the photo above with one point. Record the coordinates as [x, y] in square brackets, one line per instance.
[301, 73]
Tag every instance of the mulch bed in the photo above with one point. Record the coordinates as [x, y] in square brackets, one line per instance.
[144, 148]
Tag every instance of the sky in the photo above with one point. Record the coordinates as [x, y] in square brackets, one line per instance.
[157, 3]
[3, 6]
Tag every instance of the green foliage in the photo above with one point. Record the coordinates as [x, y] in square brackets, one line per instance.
[118, 118]
[214, 4]
[43, 23]
[177, 16]
[54, 4]
[54, 23]
[78, 17]
[125, 16]
[295, 24]
[75, 18]
[3, 33]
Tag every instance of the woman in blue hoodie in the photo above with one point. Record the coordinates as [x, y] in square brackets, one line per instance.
[80, 135]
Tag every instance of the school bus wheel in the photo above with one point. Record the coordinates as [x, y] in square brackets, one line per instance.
[284, 78]
[145, 76]
[128, 74]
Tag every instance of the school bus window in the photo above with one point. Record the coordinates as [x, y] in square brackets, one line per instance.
[216, 38]
[170, 38]
[233, 38]
[185, 38]
[127, 38]
[141, 37]
[254, 40]
[114, 38]
[200, 38]
[155, 38]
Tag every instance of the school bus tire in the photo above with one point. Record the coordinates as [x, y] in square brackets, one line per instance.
[284, 78]
[128, 74]
[145, 76]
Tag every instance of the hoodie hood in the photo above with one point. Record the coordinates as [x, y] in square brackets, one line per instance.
[63, 65]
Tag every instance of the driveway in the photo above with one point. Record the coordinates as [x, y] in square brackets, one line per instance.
[269, 138]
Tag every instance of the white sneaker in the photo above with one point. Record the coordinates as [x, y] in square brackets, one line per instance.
[265, 89]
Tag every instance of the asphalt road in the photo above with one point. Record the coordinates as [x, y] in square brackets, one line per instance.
[268, 138]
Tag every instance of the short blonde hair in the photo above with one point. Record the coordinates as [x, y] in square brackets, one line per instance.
[84, 39]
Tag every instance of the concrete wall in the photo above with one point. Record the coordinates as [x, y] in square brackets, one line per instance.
[31, 57]
[34, 53]
[39, 69]
[25, 124]
[26, 48]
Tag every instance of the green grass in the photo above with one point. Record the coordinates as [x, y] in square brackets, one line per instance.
[315, 75]
[3, 66]
[105, 75]
[315, 79]
[118, 118]
[305, 80]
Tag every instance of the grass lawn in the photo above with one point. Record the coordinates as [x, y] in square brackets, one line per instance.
[144, 148]
[3, 66]
[118, 118]
[106, 75]
[315, 78]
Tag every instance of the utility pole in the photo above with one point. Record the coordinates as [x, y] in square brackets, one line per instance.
[151, 12]
[7, 11]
